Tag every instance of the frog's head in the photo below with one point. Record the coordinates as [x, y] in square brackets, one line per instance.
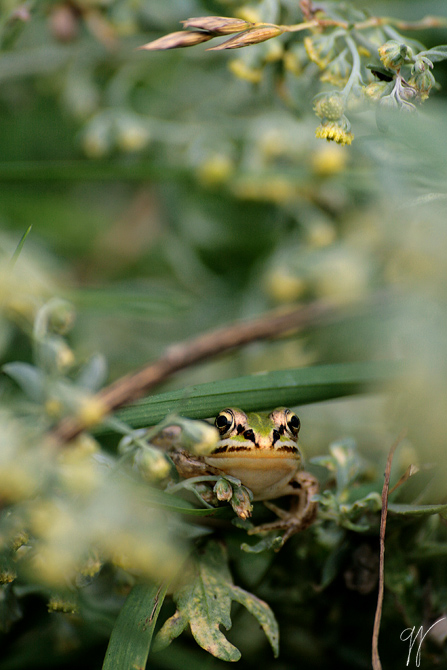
[277, 431]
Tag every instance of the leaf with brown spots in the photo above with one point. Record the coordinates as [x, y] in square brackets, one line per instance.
[204, 601]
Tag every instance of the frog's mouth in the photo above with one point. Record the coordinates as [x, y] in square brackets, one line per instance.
[256, 451]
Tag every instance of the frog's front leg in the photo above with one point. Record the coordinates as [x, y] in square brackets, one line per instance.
[187, 466]
[303, 510]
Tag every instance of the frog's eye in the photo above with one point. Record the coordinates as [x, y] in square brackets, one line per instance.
[293, 422]
[224, 421]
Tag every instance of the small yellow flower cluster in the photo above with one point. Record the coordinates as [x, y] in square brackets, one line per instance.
[320, 50]
[332, 131]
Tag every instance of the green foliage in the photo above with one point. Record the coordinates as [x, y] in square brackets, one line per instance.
[132, 634]
[171, 193]
[204, 602]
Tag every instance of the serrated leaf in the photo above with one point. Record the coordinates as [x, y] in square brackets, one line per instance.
[132, 633]
[30, 379]
[204, 602]
[262, 612]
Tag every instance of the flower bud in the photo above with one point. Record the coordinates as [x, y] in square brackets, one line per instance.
[61, 317]
[241, 502]
[223, 490]
[330, 106]
[393, 55]
[152, 465]
[131, 134]
[215, 170]
[423, 83]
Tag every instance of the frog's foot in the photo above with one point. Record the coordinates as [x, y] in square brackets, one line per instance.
[301, 514]
[290, 522]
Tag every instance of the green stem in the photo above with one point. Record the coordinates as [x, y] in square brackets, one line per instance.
[355, 72]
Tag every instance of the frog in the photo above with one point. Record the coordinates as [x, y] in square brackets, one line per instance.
[261, 450]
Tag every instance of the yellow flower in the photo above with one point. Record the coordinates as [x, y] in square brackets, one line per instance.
[241, 70]
[320, 50]
[332, 131]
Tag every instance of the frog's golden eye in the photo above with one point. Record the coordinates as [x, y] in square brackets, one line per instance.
[224, 421]
[293, 422]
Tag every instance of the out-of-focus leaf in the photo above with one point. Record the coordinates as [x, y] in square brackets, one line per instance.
[264, 391]
[93, 373]
[137, 300]
[416, 510]
[30, 379]
[204, 601]
[157, 498]
[132, 633]
[270, 542]
[10, 610]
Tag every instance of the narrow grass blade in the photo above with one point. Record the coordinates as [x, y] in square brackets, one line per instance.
[19, 247]
[131, 637]
[264, 391]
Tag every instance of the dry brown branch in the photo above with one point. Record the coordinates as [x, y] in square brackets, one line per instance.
[376, 664]
[133, 386]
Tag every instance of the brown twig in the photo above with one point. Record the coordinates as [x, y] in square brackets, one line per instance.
[129, 388]
[376, 664]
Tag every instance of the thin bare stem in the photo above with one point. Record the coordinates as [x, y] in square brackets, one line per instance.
[373, 22]
[129, 388]
[376, 664]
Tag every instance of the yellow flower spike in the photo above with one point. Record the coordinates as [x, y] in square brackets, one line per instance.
[320, 50]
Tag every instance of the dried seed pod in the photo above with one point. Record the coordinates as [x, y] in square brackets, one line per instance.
[187, 38]
[249, 37]
[219, 25]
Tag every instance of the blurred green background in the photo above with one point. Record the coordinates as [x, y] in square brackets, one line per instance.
[170, 194]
